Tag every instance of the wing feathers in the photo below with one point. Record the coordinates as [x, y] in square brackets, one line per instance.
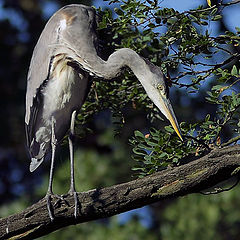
[35, 163]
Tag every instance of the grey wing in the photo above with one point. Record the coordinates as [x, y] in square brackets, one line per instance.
[38, 74]
[79, 37]
[70, 31]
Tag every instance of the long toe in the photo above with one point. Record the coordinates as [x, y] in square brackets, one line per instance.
[50, 206]
[76, 202]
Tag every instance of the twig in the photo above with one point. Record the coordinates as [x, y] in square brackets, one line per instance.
[232, 140]
[219, 189]
[230, 3]
[208, 71]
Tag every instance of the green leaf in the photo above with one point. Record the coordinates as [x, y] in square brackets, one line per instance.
[234, 99]
[169, 129]
[163, 155]
[234, 71]
[139, 134]
[151, 143]
[207, 117]
[203, 23]
[237, 29]
[216, 87]
[217, 17]
[214, 11]
[118, 11]
[139, 151]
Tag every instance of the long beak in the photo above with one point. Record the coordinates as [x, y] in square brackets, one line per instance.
[165, 107]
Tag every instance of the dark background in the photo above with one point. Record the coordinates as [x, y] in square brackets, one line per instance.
[102, 158]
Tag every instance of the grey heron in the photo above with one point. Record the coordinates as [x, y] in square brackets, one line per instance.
[63, 59]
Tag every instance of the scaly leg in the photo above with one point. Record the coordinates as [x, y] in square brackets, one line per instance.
[49, 191]
[72, 186]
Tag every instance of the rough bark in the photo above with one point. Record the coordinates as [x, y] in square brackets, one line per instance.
[33, 222]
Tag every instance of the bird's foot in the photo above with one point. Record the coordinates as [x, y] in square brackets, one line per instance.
[76, 201]
[50, 207]
[57, 204]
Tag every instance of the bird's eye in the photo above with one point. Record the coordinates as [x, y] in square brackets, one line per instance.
[160, 87]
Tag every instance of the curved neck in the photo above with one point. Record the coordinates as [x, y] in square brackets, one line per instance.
[119, 59]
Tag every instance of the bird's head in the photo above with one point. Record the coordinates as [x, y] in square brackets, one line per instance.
[155, 85]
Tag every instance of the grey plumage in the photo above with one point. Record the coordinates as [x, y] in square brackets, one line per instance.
[63, 59]
[53, 53]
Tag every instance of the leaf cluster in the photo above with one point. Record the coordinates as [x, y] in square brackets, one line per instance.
[159, 149]
[180, 42]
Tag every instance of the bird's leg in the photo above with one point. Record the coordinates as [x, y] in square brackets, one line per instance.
[72, 186]
[50, 191]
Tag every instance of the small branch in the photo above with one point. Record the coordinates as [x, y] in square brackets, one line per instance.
[232, 140]
[192, 177]
[199, 141]
[207, 72]
[231, 3]
[218, 190]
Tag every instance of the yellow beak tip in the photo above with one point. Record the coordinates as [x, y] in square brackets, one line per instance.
[181, 137]
[179, 134]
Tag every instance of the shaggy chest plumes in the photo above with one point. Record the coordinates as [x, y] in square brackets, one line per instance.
[63, 93]
[59, 94]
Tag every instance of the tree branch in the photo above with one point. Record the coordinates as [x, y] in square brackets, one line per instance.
[230, 3]
[197, 175]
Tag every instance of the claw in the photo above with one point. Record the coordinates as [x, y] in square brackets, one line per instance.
[49, 194]
[76, 202]
[59, 201]
[72, 190]
[50, 206]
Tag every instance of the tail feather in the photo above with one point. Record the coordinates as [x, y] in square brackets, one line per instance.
[38, 152]
[35, 163]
